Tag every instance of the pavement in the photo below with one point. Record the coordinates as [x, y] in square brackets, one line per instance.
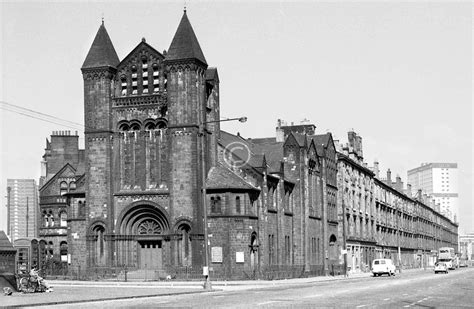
[71, 291]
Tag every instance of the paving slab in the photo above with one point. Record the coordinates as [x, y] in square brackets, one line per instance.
[87, 293]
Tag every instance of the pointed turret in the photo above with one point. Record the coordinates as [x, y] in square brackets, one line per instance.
[102, 52]
[185, 45]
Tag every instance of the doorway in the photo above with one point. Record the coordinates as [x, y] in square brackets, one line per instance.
[150, 254]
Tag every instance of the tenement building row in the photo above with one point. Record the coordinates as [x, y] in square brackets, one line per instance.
[382, 220]
[156, 167]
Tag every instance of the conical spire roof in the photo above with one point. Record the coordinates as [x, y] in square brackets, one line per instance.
[185, 44]
[102, 52]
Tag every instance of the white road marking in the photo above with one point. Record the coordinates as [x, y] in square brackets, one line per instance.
[311, 296]
[360, 306]
[407, 306]
[405, 294]
[420, 301]
[387, 299]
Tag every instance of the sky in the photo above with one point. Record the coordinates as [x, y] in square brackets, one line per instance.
[397, 73]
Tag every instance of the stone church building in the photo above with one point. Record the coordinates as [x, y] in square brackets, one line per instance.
[153, 146]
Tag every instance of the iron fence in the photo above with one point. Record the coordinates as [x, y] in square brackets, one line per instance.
[182, 273]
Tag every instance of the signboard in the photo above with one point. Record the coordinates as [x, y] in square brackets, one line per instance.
[216, 254]
[205, 271]
[239, 257]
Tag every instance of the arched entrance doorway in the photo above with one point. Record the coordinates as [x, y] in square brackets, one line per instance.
[253, 251]
[143, 226]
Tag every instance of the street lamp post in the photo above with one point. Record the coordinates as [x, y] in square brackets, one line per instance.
[206, 271]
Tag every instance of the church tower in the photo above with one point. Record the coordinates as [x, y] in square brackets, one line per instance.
[186, 71]
[98, 70]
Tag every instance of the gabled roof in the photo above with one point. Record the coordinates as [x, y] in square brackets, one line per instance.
[5, 244]
[142, 45]
[185, 44]
[273, 152]
[211, 74]
[321, 141]
[102, 52]
[220, 177]
[57, 175]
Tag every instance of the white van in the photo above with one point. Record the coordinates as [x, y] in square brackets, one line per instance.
[383, 266]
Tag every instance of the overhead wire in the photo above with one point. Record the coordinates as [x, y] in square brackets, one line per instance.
[40, 116]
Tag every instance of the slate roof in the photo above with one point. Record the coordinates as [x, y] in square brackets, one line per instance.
[272, 150]
[185, 44]
[102, 52]
[220, 177]
[321, 141]
[5, 244]
[228, 140]
[211, 74]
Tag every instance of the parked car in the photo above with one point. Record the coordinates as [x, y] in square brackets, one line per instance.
[463, 263]
[383, 266]
[441, 267]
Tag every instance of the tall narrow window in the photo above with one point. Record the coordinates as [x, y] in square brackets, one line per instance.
[156, 78]
[216, 204]
[63, 188]
[123, 80]
[63, 219]
[51, 219]
[237, 204]
[134, 81]
[145, 75]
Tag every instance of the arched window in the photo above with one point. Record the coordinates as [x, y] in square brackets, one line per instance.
[45, 219]
[63, 219]
[72, 186]
[161, 124]
[124, 127]
[50, 248]
[135, 127]
[237, 204]
[82, 209]
[51, 218]
[99, 246]
[184, 245]
[149, 126]
[63, 251]
[63, 187]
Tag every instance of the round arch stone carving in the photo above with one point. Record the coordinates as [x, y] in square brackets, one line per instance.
[143, 218]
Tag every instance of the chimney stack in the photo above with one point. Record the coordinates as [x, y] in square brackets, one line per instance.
[376, 169]
[389, 177]
[280, 134]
